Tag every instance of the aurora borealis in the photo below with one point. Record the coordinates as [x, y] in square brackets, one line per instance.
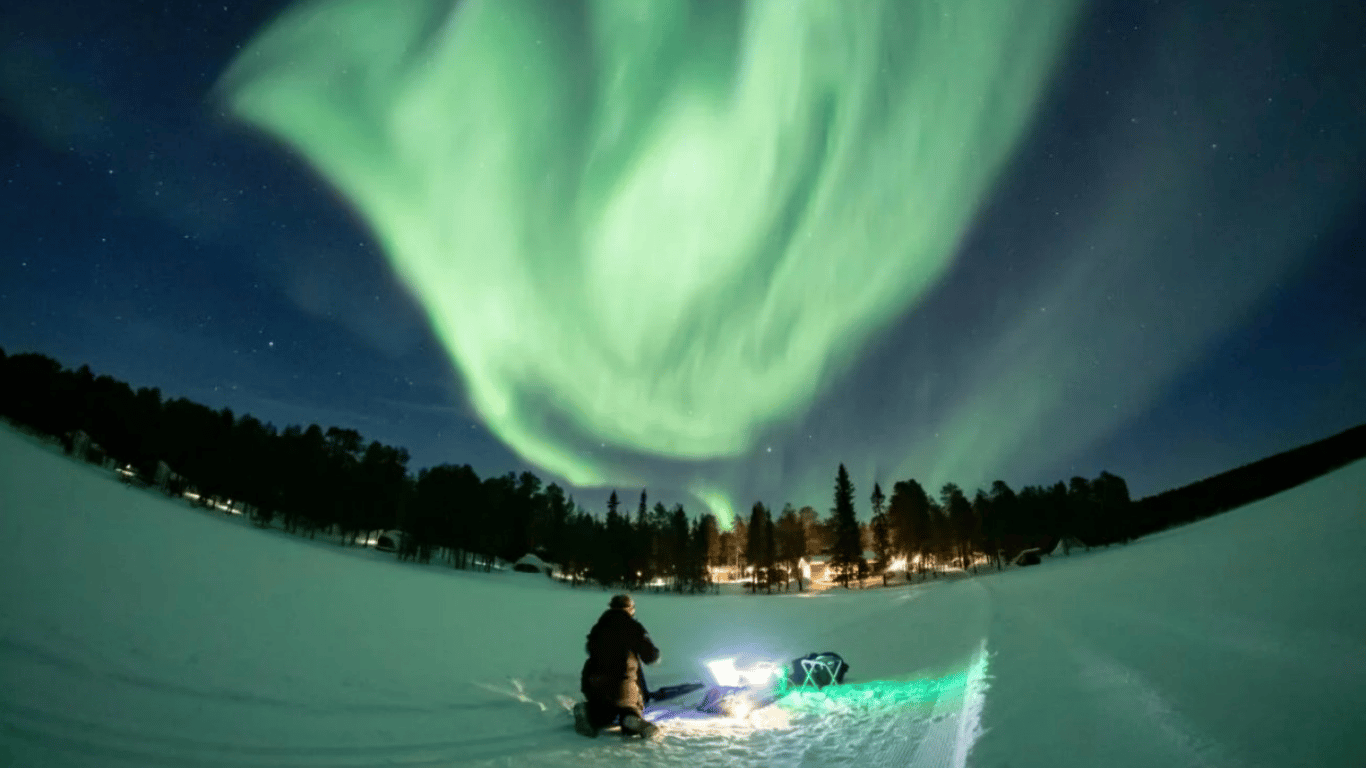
[659, 226]
[709, 249]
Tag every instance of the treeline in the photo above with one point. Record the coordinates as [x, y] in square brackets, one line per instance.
[311, 480]
[1250, 482]
[914, 534]
[467, 521]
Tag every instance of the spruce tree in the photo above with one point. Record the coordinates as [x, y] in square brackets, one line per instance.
[642, 567]
[679, 545]
[755, 544]
[770, 551]
[882, 540]
[958, 522]
[1003, 520]
[848, 548]
[877, 499]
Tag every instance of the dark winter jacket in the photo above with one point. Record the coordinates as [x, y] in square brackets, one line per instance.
[617, 648]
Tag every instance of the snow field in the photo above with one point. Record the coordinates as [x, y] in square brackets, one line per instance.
[135, 630]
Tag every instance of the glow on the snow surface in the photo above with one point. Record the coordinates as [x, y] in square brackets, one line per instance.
[741, 708]
[882, 693]
[654, 229]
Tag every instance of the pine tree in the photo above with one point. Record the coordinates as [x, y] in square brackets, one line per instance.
[710, 548]
[959, 524]
[612, 548]
[790, 541]
[877, 499]
[695, 577]
[1003, 520]
[641, 568]
[658, 525]
[910, 523]
[882, 544]
[557, 522]
[848, 548]
[1079, 518]
[1115, 507]
[733, 547]
[755, 544]
[679, 541]
[770, 551]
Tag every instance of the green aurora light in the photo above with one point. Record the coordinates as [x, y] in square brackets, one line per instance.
[657, 228]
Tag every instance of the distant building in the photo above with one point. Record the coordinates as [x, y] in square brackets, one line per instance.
[389, 541]
[1066, 544]
[815, 567]
[530, 563]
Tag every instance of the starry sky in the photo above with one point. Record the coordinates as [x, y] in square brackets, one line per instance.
[708, 249]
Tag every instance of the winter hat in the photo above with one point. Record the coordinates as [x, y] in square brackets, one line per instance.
[622, 602]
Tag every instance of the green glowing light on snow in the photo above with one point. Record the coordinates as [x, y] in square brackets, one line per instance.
[960, 695]
[880, 694]
[656, 226]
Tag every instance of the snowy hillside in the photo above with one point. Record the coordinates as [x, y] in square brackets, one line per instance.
[136, 631]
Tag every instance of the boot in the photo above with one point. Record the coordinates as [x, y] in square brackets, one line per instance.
[640, 726]
[581, 722]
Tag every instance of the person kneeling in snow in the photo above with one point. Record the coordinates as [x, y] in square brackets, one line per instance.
[613, 681]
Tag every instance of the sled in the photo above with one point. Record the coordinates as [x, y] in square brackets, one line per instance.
[737, 691]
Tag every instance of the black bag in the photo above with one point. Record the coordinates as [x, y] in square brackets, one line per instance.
[828, 669]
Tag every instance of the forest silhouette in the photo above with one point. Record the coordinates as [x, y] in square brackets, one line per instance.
[311, 480]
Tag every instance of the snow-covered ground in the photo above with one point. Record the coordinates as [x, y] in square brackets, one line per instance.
[137, 631]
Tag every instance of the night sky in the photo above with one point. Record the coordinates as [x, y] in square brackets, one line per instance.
[711, 250]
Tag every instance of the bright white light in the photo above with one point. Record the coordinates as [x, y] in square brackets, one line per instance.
[724, 672]
[760, 673]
